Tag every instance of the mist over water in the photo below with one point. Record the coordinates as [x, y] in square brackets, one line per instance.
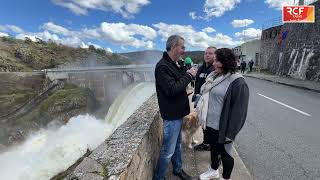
[50, 151]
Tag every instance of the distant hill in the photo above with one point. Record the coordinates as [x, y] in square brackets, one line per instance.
[26, 55]
[144, 57]
[196, 56]
[153, 56]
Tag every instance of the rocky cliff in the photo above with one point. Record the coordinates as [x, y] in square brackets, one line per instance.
[26, 55]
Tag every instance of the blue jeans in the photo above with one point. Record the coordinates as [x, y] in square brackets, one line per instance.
[170, 149]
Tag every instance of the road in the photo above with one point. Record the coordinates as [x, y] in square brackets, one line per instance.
[281, 137]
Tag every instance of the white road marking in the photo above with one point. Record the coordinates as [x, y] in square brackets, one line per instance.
[283, 104]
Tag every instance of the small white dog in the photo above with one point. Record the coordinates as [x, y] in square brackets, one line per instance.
[189, 128]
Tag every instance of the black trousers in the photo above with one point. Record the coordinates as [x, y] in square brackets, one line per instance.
[219, 153]
[205, 136]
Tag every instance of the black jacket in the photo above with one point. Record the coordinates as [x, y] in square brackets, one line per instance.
[201, 76]
[243, 64]
[171, 83]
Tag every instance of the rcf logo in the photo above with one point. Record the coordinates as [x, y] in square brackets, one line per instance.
[298, 14]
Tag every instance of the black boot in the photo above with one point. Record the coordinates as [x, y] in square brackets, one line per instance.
[183, 175]
[202, 147]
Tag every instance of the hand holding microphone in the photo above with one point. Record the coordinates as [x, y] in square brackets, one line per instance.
[192, 71]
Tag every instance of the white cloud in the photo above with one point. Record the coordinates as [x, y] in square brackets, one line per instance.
[47, 36]
[95, 45]
[193, 15]
[216, 8]
[208, 30]
[86, 46]
[15, 29]
[134, 35]
[122, 34]
[108, 50]
[249, 34]
[194, 39]
[3, 34]
[277, 4]
[91, 33]
[241, 23]
[127, 8]
[50, 26]
[71, 41]
[10, 28]
[24, 36]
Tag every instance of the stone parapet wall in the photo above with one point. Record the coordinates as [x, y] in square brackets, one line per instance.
[130, 152]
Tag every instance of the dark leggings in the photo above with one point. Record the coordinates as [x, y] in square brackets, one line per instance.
[205, 136]
[219, 153]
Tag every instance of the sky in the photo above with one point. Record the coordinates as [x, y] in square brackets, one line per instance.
[134, 25]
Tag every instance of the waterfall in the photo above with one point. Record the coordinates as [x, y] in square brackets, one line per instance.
[49, 151]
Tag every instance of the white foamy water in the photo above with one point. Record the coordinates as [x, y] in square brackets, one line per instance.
[48, 152]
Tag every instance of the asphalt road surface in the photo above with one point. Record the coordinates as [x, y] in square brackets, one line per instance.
[281, 137]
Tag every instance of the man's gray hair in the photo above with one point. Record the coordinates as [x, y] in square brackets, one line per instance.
[172, 41]
[212, 47]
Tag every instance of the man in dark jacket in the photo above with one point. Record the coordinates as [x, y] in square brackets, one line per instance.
[243, 66]
[251, 65]
[171, 84]
[201, 76]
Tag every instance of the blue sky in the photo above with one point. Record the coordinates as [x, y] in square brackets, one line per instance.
[132, 25]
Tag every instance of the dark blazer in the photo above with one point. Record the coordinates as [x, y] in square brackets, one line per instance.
[234, 111]
[171, 83]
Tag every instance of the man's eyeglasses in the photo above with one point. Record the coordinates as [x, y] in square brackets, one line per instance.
[183, 47]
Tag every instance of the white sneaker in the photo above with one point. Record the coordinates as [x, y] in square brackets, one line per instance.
[210, 174]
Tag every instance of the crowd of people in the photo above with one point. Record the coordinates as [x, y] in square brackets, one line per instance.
[221, 97]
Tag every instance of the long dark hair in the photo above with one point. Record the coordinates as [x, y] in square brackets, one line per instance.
[228, 60]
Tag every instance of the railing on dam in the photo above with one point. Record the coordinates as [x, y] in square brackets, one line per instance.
[105, 81]
[143, 67]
